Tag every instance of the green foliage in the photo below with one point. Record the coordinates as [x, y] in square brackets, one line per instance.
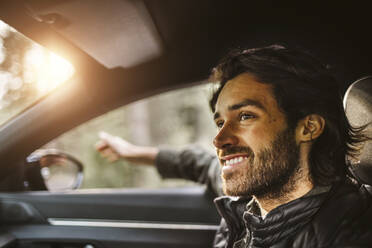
[154, 121]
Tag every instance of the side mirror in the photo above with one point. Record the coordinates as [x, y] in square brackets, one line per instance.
[53, 170]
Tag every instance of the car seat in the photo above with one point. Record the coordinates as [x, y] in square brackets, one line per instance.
[358, 108]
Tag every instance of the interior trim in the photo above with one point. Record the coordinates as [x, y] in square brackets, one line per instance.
[128, 224]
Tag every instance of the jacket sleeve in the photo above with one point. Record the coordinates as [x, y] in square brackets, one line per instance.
[192, 163]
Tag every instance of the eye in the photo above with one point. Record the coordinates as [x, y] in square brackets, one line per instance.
[246, 116]
[219, 124]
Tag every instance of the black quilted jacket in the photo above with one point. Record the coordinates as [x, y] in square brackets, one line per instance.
[341, 217]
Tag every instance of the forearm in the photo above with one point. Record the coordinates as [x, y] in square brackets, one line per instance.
[142, 155]
[192, 163]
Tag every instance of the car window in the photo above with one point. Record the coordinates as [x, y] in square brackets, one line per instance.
[27, 72]
[172, 119]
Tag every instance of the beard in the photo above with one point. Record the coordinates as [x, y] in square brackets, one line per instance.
[270, 173]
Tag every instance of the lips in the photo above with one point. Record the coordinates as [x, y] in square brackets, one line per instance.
[234, 160]
[234, 155]
[232, 163]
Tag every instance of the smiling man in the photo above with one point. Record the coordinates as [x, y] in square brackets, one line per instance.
[283, 138]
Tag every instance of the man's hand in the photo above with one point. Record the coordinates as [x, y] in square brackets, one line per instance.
[113, 148]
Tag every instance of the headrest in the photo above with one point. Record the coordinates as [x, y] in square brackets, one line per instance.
[358, 108]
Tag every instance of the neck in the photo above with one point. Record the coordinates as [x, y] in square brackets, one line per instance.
[298, 185]
[267, 203]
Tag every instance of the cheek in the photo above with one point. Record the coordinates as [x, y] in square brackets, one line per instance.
[260, 134]
[256, 137]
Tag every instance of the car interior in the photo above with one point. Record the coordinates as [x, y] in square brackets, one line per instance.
[127, 50]
[357, 103]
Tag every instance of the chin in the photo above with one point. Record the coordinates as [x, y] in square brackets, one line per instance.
[231, 188]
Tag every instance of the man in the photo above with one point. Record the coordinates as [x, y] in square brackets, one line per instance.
[283, 138]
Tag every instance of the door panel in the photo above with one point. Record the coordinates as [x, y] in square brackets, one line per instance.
[184, 217]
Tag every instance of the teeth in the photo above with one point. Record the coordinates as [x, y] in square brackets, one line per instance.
[235, 160]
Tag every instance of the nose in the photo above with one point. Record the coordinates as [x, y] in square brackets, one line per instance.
[225, 138]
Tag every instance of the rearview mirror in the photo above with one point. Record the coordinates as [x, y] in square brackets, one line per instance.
[53, 170]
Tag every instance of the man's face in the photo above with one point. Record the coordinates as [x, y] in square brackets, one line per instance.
[257, 150]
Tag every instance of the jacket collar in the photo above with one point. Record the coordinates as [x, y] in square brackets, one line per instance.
[279, 223]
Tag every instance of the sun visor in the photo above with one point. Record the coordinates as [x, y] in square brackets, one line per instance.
[115, 33]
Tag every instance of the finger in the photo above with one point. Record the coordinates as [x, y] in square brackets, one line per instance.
[111, 140]
[113, 157]
[101, 145]
[107, 152]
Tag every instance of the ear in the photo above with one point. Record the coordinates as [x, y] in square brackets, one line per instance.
[310, 128]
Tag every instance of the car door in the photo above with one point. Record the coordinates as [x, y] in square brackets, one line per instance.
[121, 218]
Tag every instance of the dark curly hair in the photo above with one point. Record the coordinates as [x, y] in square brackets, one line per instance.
[302, 85]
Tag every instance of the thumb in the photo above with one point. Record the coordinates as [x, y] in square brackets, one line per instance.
[105, 136]
[114, 142]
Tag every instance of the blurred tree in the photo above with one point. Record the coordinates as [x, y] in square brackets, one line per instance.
[13, 91]
[27, 72]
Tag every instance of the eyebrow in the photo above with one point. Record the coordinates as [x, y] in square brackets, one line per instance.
[246, 102]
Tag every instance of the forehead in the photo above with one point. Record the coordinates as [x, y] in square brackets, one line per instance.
[245, 87]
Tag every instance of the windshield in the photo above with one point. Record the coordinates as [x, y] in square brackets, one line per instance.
[27, 72]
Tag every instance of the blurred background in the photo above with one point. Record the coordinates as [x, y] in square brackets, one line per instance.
[174, 119]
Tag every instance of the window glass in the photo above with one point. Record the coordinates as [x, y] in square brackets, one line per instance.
[27, 72]
[173, 119]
